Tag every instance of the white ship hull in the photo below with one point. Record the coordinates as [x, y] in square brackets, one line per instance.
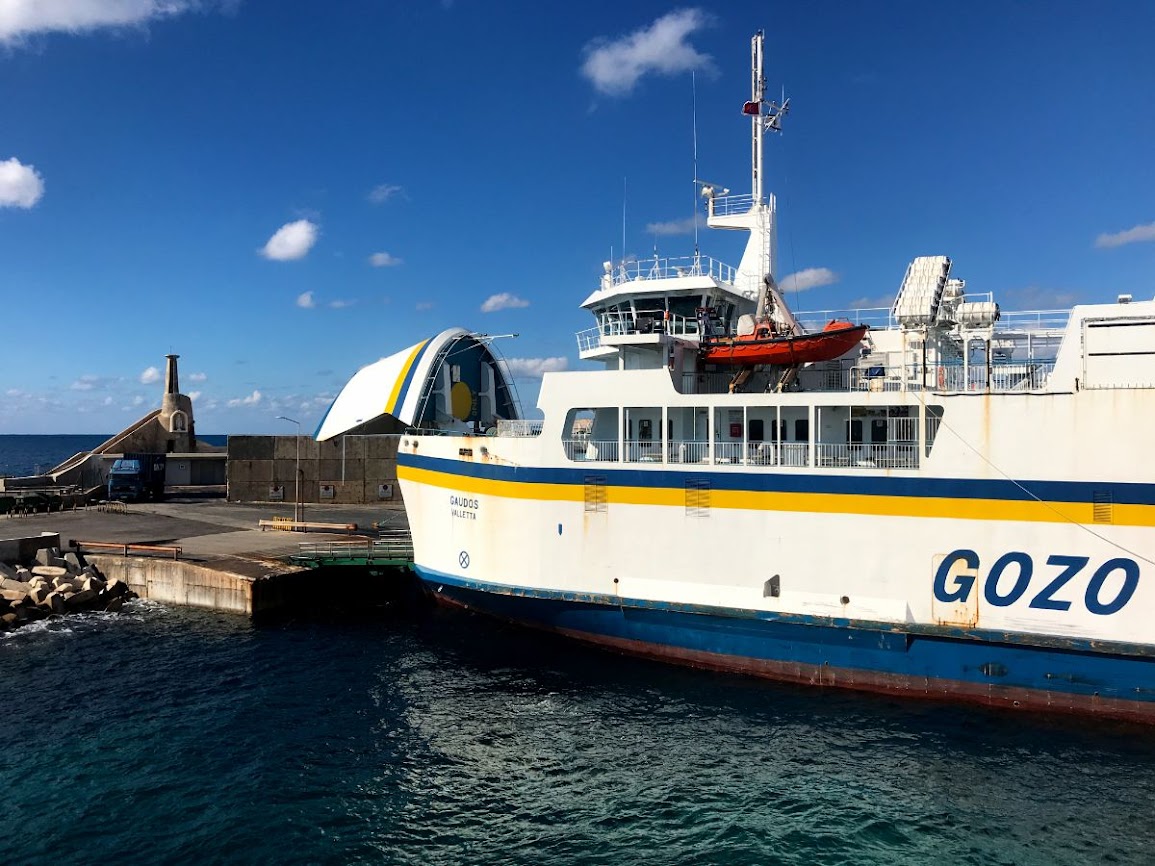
[987, 573]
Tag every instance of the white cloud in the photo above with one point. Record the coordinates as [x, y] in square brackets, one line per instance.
[150, 375]
[197, 377]
[13, 392]
[291, 241]
[305, 300]
[20, 18]
[809, 278]
[194, 395]
[534, 368]
[137, 400]
[614, 66]
[107, 401]
[340, 305]
[85, 383]
[868, 303]
[385, 191]
[676, 227]
[252, 400]
[422, 306]
[20, 185]
[1135, 235]
[383, 260]
[503, 301]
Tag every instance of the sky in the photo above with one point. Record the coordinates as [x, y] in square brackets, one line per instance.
[284, 192]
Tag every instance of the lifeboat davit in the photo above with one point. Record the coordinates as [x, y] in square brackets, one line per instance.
[763, 347]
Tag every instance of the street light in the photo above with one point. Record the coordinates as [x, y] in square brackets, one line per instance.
[297, 516]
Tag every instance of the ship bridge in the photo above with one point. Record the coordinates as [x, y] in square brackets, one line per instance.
[641, 301]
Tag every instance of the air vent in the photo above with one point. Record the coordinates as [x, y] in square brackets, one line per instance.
[596, 493]
[697, 498]
[1103, 507]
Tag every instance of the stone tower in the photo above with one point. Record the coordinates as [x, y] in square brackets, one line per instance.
[176, 412]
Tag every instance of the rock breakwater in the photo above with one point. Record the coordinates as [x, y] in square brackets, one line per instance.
[55, 584]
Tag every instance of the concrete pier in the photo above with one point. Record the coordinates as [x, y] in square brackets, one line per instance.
[227, 562]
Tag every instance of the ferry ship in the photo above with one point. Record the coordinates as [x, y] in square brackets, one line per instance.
[959, 503]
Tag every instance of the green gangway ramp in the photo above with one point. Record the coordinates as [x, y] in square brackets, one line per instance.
[392, 549]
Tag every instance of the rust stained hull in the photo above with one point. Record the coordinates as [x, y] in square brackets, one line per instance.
[1104, 703]
[823, 346]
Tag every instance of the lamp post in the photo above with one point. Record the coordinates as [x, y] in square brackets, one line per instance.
[297, 476]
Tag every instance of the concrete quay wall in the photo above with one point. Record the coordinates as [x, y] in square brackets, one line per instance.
[349, 470]
[23, 548]
[172, 581]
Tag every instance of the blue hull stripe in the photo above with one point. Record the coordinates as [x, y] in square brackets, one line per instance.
[829, 644]
[1121, 493]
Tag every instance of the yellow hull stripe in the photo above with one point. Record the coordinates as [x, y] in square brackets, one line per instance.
[820, 503]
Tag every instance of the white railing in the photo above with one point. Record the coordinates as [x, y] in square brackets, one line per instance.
[816, 320]
[1020, 376]
[670, 267]
[689, 452]
[729, 205]
[1034, 320]
[643, 452]
[519, 428]
[585, 449]
[794, 454]
[887, 455]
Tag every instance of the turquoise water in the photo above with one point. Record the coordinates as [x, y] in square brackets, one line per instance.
[179, 736]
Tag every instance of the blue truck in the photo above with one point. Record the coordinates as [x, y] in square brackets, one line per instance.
[136, 477]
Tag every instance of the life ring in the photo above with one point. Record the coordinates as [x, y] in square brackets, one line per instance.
[941, 378]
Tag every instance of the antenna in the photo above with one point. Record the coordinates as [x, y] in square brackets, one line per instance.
[623, 221]
[694, 196]
[765, 115]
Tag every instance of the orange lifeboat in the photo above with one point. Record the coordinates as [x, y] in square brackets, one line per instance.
[763, 347]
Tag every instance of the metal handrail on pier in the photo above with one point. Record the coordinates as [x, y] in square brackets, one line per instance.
[392, 548]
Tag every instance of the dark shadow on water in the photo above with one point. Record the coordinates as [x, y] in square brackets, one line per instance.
[396, 603]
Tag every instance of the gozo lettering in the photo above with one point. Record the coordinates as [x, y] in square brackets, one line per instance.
[1108, 590]
[463, 507]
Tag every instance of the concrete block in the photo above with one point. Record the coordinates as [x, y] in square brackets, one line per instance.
[9, 619]
[39, 594]
[54, 602]
[93, 583]
[327, 471]
[7, 583]
[50, 572]
[7, 571]
[79, 599]
[114, 605]
[354, 447]
[244, 448]
[329, 449]
[75, 560]
[285, 448]
[250, 472]
[14, 595]
[23, 574]
[44, 556]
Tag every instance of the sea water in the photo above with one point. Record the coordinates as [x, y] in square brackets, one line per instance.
[34, 454]
[169, 735]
